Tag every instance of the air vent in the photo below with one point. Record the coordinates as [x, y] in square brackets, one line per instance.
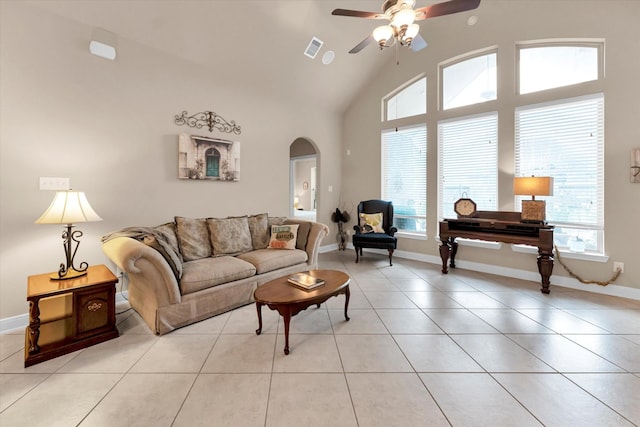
[313, 48]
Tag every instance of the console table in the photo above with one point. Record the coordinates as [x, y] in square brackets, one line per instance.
[505, 227]
[68, 315]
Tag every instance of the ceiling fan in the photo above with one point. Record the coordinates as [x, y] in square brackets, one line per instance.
[401, 16]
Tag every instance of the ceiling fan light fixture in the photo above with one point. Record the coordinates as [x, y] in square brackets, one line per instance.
[405, 16]
[382, 35]
[410, 33]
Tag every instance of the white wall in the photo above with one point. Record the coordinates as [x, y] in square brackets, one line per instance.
[109, 127]
[502, 23]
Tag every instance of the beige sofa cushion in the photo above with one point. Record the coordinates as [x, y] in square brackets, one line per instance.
[229, 236]
[207, 272]
[259, 228]
[266, 260]
[193, 237]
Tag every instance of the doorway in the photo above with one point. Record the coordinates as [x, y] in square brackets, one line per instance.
[303, 195]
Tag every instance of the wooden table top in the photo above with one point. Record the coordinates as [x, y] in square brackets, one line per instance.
[41, 284]
[280, 291]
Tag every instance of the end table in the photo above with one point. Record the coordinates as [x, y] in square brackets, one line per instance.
[69, 315]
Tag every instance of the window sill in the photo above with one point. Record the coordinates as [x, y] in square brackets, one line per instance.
[477, 243]
[413, 236]
[585, 256]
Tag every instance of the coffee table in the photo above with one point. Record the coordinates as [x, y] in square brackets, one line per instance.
[288, 300]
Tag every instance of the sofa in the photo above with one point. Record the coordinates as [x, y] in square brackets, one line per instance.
[191, 269]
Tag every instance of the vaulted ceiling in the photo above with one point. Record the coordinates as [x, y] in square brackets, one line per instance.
[260, 42]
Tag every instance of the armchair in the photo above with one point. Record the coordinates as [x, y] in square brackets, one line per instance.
[377, 239]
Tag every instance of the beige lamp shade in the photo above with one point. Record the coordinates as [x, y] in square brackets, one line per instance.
[533, 210]
[69, 207]
[533, 186]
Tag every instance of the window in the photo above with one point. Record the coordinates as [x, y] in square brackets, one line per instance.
[547, 67]
[410, 101]
[468, 82]
[404, 176]
[468, 162]
[565, 140]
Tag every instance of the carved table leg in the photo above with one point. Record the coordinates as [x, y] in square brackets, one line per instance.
[445, 250]
[34, 326]
[545, 267]
[259, 308]
[347, 295]
[286, 316]
[448, 250]
[454, 251]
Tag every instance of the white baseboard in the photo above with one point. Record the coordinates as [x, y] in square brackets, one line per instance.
[21, 321]
[565, 282]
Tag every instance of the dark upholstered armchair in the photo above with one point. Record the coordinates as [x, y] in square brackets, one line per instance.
[376, 237]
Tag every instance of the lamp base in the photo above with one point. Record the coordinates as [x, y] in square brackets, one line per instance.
[533, 211]
[71, 274]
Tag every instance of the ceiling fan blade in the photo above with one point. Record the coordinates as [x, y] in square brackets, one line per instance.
[446, 8]
[364, 43]
[418, 43]
[359, 14]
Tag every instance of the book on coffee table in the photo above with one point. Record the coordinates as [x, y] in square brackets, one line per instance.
[305, 281]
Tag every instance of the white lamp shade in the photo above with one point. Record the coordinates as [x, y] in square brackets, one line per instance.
[412, 32]
[533, 186]
[68, 207]
[382, 33]
[404, 16]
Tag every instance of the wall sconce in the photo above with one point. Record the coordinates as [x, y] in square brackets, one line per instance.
[533, 210]
[635, 165]
[69, 207]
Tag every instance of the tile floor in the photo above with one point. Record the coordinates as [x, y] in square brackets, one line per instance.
[421, 349]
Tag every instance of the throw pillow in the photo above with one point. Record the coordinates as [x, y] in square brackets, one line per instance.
[304, 227]
[259, 228]
[230, 236]
[193, 237]
[276, 220]
[371, 223]
[283, 236]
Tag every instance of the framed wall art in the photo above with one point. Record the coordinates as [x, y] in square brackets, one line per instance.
[208, 158]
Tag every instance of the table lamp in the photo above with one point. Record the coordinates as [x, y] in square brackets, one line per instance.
[69, 207]
[533, 210]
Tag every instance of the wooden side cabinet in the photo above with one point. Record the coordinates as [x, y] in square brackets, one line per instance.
[69, 315]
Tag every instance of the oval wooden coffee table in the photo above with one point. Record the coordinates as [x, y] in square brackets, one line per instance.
[289, 300]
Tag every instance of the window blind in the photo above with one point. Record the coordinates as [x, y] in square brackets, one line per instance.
[468, 162]
[404, 176]
[565, 140]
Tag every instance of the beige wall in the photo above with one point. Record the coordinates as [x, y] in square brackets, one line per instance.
[502, 24]
[109, 127]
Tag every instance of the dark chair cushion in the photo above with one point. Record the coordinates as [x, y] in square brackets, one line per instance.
[374, 240]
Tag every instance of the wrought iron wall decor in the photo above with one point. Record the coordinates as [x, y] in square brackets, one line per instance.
[635, 165]
[209, 119]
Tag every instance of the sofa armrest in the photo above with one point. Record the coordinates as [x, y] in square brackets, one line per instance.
[145, 268]
[317, 232]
